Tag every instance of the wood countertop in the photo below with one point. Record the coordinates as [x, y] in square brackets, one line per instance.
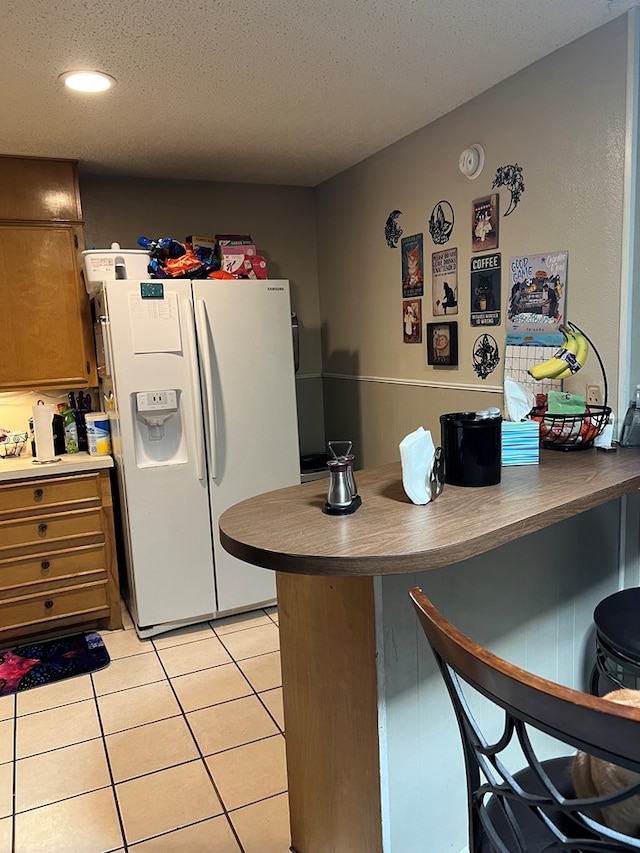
[287, 531]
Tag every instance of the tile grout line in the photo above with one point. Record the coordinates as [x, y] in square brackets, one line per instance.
[202, 758]
[14, 794]
[125, 844]
[182, 713]
[255, 692]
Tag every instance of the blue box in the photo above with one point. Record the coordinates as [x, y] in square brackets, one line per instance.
[520, 443]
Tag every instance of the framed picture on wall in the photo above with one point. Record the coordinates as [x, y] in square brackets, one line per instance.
[485, 221]
[412, 321]
[442, 344]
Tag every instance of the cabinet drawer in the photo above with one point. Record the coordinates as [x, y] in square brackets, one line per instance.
[47, 495]
[52, 567]
[38, 533]
[82, 600]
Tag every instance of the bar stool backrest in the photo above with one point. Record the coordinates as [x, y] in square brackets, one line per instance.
[534, 809]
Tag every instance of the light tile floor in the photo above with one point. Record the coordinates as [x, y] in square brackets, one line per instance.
[176, 747]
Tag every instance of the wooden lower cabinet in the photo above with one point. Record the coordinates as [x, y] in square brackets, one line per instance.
[58, 568]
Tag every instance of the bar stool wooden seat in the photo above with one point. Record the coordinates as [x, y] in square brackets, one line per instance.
[617, 622]
[532, 807]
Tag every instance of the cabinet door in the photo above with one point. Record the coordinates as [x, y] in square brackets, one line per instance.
[39, 188]
[44, 311]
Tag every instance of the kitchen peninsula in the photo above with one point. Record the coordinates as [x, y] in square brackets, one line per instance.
[373, 753]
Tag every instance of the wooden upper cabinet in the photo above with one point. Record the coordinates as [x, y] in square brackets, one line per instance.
[46, 336]
[45, 327]
[35, 189]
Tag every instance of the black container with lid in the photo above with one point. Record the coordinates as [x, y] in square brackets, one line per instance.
[472, 447]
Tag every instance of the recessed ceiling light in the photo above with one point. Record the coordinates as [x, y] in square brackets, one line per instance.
[87, 81]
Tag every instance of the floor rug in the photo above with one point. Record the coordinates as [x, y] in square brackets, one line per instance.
[34, 664]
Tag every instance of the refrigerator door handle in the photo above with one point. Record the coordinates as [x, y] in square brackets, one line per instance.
[196, 411]
[202, 326]
[106, 345]
[295, 331]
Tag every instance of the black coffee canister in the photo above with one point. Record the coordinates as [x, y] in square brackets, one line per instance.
[471, 448]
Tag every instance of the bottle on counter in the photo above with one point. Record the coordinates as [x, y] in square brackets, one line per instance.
[70, 431]
[630, 436]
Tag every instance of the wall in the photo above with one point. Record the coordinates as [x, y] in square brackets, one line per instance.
[15, 410]
[563, 120]
[280, 219]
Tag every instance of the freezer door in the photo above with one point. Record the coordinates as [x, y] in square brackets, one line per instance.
[249, 398]
[163, 480]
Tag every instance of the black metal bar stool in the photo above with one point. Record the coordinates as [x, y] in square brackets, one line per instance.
[617, 621]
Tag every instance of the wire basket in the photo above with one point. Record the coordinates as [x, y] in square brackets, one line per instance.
[12, 444]
[574, 432]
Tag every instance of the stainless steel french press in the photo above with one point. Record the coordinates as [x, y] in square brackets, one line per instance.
[342, 485]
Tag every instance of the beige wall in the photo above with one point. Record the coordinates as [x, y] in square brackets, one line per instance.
[563, 120]
[280, 219]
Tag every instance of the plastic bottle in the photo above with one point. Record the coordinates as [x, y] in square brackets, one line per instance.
[630, 436]
[70, 431]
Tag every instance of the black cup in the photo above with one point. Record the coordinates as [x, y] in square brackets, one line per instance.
[471, 447]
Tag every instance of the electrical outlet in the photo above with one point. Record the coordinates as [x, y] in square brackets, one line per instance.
[593, 396]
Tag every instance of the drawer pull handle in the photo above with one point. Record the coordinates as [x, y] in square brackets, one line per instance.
[42, 529]
[45, 564]
[48, 604]
[37, 494]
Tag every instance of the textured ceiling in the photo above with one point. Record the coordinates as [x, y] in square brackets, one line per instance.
[279, 91]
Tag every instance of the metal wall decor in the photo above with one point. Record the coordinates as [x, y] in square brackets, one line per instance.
[392, 231]
[444, 279]
[441, 222]
[485, 223]
[486, 355]
[412, 266]
[511, 178]
[485, 290]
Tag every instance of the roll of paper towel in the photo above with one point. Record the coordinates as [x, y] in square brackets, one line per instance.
[43, 431]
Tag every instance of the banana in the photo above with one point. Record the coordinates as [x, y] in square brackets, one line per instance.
[564, 359]
[582, 352]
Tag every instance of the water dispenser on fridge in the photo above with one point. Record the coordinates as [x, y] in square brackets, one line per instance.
[159, 435]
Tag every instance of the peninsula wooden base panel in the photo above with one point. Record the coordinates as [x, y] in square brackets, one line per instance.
[328, 654]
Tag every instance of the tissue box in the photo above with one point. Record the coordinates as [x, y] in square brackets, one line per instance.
[247, 266]
[520, 443]
[237, 249]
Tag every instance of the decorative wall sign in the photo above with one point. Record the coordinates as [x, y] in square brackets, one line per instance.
[511, 178]
[412, 266]
[485, 290]
[442, 344]
[538, 293]
[444, 277]
[412, 321]
[486, 355]
[392, 231]
[484, 223]
[441, 223]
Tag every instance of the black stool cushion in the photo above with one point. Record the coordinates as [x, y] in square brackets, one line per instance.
[617, 620]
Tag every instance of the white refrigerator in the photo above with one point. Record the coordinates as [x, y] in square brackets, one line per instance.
[198, 380]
